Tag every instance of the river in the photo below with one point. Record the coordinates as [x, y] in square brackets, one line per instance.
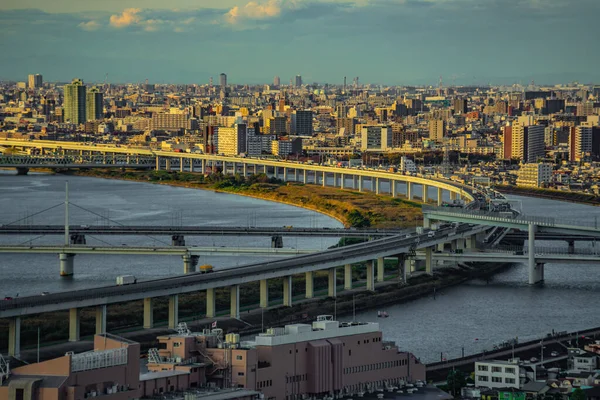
[475, 315]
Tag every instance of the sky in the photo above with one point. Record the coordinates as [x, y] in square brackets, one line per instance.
[392, 42]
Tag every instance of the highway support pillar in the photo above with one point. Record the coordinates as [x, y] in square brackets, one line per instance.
[324, 176]
[74, 322]
[295, 174]
[536, 270]
[360, 183]
[304, 177]
[285, 174]
[264, 293]
[173, 311]
[471, 242]
[244, 170]
[342, 183]
[100, 319]
[453, 196]
[376, 185]
[380, 269]
[428, 261]
[234, 305]
[426, 222]
[157, 167]
[332, 282]
[14, 337]
[188, 266]
[441, 247]
[348, 277]
[393, 188]
[460, 244]
[440, 198]
[409, 190]
[181, 164]
[370, 276]
[310, 285]
[148, 313]
[66, 264]
[406, 270]
[287, 291]
[425, 194]
[210, 303]
[167, 164]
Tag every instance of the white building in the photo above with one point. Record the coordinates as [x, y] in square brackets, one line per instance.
[534, 175]
[376, 137]
[407, 165]
[586, 362]
[497, 374]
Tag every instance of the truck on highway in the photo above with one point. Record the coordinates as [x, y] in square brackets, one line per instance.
[126, 280]
[205, 269]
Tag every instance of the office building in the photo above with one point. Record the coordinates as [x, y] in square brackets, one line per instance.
[376, 137]
[437, 130]
[94, 104]
[584, 143]
[35, 81]
[74, 103]
[534, 175]
[460, 106]
[298, 80]
[276, 81]
[278, 125]
[232, 141]
[304, 122]
[285, 147]
[497, 374]
[527, 142]
[173, 121]
[585, 109]
[223, 81]
[345, 126]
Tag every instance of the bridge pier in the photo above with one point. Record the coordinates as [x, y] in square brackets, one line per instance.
[380, 269]
[210, 303]
[66, 264]
[536, 270]
[309, 292]
[264, 293]
[173, 311]
[157, 165]
[101, 319]
[453, 196]
[148, 313]
[409, 190]
[376, 181]
[426, 222]
[22, 170]
[234, 305]
[188, 265]
[342, 183]
[324, 176]
[370, 276]
[348, 277]
[406, 269]
[74, 323]
[14, 337]
[287, 291]
[428, 261]
[332, 282]
[425, 194]
[471, 242]
[304, 177]
[440, 199]
[360, 183]
[393, 188]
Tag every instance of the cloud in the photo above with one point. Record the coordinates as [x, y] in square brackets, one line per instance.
[89, 26]
[255, 11]
[130, 16]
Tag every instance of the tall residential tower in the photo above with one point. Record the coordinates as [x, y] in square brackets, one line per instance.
[74, 102]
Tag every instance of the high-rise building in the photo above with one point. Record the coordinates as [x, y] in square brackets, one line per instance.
[94, 104]
[276, 81]
[278, 125]
[75, 102]
[223, 80]
[232, 141]
[585, 109]
[298, 80]
[460, 106]
[376, 137]
[534, 175]
[527, 142]
[35, 81]
[437, 129]
[304, 123]
[584, 142]
[347, 124]
[210, 139]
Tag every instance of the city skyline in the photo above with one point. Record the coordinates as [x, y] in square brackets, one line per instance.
[408, 42]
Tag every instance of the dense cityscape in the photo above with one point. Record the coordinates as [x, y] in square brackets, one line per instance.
[299, 200]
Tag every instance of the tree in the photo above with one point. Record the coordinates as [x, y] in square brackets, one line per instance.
[356, 219]
[456, 381]
[578, 394]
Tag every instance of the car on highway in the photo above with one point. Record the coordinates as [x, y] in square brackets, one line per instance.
[554, 354]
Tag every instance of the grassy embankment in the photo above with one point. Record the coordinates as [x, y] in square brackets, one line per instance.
[552, 194]
[356, 209]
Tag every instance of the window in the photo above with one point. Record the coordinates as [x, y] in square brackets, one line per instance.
[238, 357]
[509, 380]
[496, 379]
[241, 374]
[496, 369]
[349, 352]
[176, 344]
[19, 394]
[482, 378]
[509, 370]
[482, 368]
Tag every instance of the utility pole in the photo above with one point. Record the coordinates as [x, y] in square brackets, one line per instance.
[67, 213]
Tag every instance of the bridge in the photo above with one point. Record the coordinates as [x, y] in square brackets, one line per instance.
[24, 162]
[372, 253]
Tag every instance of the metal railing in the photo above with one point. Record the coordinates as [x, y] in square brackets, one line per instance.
[539, 250]
[95, 159]
[491, 215]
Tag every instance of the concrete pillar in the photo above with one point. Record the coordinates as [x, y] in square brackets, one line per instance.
[265, 169]
[285, 174]
[245, 170]
[440, 199]
[342, 181]
[210, 303]
[181, 164]
[287, 291]
[157, 163]
[203, 166]
[188, 266]
[66, 264]
[348, 277]
[173, 311]
[376, 181]
[460, 244]
[453, 196]
[370, 276]
[310, 285]
[393, 187]
[380, 269]
[453, 245]
[536, 270]
[148, 313]
[167, 164]
[426, 222]
[324, 176]
[428, 261]
[360, 183]
[409, 190]
[471, 242]
[304, 179]
[100, 319]
[74, 321]
[264, 293]
[295, 174]
[14, 337]
[234, 304]
[406, 269]
[332, 282]
[440, 246]
[425, 194]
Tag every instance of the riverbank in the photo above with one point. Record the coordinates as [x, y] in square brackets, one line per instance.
[572, 197]
[352, 208]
